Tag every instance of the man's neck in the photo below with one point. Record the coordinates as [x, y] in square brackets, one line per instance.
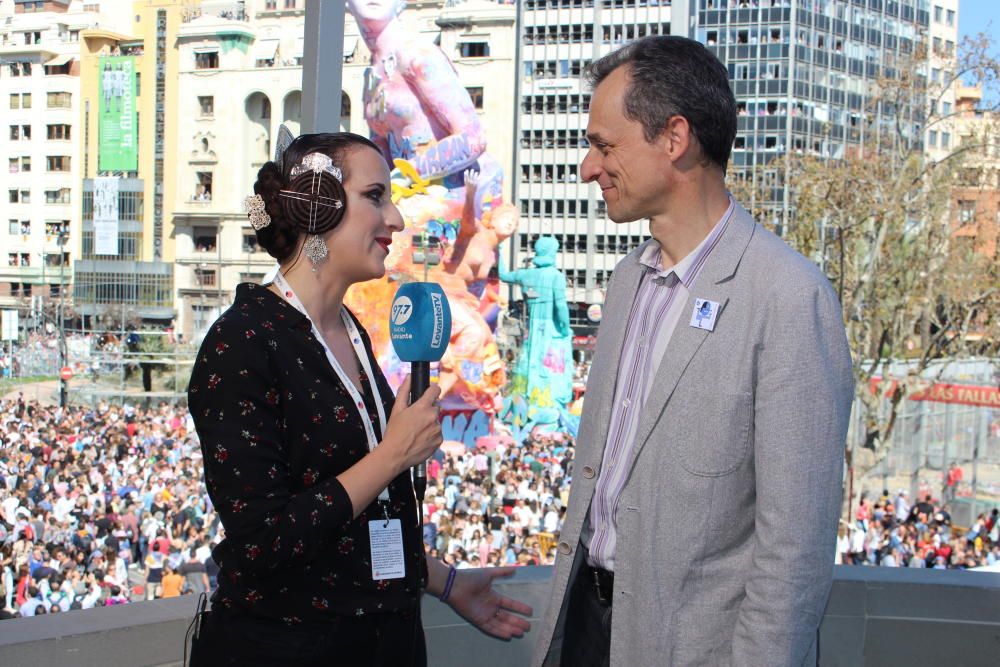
[687, 219]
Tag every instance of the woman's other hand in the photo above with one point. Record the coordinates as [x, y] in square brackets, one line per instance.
[414, 432]
[474, 599]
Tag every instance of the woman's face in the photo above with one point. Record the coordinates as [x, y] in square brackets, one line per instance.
[360, 244]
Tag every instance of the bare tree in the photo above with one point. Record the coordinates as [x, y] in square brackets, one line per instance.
[880, 222]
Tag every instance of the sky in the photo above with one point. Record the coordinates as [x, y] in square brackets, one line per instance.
[974, 15]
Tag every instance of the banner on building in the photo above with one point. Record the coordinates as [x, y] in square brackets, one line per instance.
[106, 216]
[118, 148]
[9, 320]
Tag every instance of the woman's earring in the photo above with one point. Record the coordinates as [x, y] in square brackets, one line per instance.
[316, 250]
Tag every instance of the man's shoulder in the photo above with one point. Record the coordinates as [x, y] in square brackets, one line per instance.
[781, 268]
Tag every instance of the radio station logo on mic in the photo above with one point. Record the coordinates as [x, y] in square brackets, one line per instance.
[402, 308]
[437, 305]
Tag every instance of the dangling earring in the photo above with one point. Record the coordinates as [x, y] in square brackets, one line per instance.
[316, 250]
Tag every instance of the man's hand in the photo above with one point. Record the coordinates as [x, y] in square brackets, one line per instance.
[474, 599]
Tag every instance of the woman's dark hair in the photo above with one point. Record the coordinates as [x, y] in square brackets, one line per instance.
[675, 76]
[287, 219]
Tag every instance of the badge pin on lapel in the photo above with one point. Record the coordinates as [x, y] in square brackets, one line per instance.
[704, 314]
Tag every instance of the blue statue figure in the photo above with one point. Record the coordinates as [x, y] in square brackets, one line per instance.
[543, 373]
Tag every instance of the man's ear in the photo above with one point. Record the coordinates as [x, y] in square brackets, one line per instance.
[677, 139]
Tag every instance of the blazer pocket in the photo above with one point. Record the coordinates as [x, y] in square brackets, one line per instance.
[713, 433]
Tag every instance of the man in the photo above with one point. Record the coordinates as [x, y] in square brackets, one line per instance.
[707, 480]
[902, 506]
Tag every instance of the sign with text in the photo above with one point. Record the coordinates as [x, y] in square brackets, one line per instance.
[118, 134]
[106, 216]
[942, 392]
[9, 322]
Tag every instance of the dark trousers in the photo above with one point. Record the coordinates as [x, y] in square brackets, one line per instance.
[374, 640]
[587, 635]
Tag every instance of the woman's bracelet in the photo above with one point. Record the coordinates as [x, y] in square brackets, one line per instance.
[448, 584]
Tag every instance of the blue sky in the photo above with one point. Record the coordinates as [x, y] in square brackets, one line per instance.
[974, 15]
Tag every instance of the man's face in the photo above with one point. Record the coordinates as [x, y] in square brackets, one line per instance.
[629, 170]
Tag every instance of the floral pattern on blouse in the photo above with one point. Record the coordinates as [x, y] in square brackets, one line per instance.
[276, 427]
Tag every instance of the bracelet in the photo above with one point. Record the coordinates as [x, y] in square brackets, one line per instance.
[448, 584]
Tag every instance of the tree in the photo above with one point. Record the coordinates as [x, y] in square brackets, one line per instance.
[879, 222]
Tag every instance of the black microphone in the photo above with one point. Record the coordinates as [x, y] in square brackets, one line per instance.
[420, 327]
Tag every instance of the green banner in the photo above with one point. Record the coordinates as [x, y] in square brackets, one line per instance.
[119, 137]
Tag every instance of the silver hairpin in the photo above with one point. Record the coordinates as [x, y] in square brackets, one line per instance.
[317, 163]
[255, 208]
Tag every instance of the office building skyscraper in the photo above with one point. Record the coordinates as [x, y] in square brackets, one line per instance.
[802, 72]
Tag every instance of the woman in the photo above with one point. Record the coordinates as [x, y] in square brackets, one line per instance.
[154, 563]
[307, 455]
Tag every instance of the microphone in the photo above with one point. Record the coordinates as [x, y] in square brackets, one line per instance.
[420, 327]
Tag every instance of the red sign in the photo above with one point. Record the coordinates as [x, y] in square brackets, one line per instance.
[964, 394]
[66, 373]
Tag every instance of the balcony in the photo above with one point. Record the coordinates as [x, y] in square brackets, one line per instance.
[876, 616]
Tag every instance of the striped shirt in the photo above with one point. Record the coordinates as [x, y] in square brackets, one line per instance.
[655, 312]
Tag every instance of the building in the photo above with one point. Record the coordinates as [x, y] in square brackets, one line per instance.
[802, 72]
[941, 137]
[559, 39]
[125, 273]
[40, 94]
[976, 196]
[253, 52]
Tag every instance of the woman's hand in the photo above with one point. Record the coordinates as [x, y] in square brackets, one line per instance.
[414, 432]
[473, 598]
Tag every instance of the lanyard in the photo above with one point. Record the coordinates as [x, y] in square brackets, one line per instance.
[362, 354]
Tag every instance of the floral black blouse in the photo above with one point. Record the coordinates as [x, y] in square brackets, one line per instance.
[276, 427]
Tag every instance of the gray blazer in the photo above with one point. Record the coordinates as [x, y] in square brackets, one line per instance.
[727, 525]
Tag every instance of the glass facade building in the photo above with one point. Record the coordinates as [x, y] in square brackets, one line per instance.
[801, 71]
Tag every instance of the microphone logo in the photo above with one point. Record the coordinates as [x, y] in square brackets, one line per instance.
[402, 308]
[437, 305]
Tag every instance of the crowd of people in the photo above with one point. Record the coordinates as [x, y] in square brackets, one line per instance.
[106, 506]
[890, 532]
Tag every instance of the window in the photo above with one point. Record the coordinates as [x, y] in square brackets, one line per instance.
[946, 108]
[32, 37]
[203, 189]
[14, 165]
[60, 100]
[56, 227]
[25, 231]
[290, 4]
[270, 5]
[57, 132]
[204, 238]
[204, 277]
[14, 196]
[932, 138]
[966, 212]
[207, 104]
[250, 244]
[13, 229]
[949, 47]
[474, 49]
[20, 69]
[15, 101]
[60, 196]
[945, 139]
[24, 196]
[25, 163]
[206, 60]
[951, 17]
[938, 11]
[57, 163]
[476, 94]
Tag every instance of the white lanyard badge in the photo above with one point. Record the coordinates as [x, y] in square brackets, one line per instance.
[362, 354]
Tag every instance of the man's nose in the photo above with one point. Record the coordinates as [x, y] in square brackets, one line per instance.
[590, 167]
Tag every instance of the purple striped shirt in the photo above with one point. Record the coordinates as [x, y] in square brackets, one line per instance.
[655, 312]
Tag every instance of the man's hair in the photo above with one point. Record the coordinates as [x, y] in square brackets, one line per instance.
[675, 76]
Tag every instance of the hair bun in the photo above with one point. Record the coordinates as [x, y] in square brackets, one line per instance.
[315, 201]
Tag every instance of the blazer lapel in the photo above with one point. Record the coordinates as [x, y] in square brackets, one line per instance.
[713, 283]
[603, 376]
